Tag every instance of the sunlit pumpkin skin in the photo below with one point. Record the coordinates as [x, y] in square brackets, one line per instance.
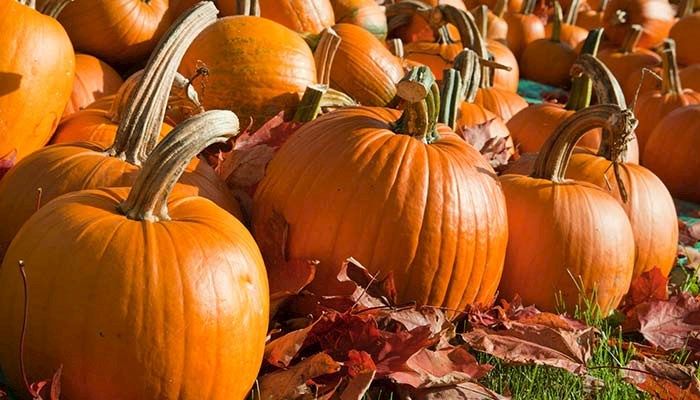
[671, 152]
[690, 76]
[268, 65]
[590, 19]
[532, 126]
[365, 13]
[37, 66]
[547, 61]
[655, 16]
[436, 56]
[143, 307]
[501, 102]
[502, 79]
[523, 29]
[432, 214]
[94, 79]
[364, 68]
[685, 32]
[583, 237]
[303, 16]
[92, 125]
[572, 35]
[120, 32]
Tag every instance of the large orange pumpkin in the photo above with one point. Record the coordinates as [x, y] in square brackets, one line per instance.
[94, 79]
[37, 66]
[69, 167]
[153, 287]
[257, 67]
[524, 27]
[365, 13]
[652, 106]
[308, 17]
[671, 152]
[584, 247]
[432, 213]
[655, 16]
[685, 32]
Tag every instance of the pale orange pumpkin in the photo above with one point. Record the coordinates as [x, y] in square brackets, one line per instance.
[524, 27]
[94, 79]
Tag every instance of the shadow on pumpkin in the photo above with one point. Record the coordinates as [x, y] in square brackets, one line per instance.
[9, 82]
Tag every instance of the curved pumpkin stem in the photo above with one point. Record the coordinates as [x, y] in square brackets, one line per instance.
[250, 8]
[336, 99]
[555, 155]
[685, 8]
[481, 18]
[396, 48]
[419, 118]
[629, 43]
[148, 199]
[581, 86]
[399, 14]
[325, 53]
[140, 126]
[528, 7]
[572, 12]
[468, 64]
[556, 22]
[500, 8]
[451, 96]
[310, 105]
[671, 78]
[53, 8]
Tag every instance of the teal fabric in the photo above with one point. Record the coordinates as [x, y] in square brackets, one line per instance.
[535, 93]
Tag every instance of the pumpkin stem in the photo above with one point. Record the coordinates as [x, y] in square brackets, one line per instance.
[250, 8]
[28, 3]
[148, 199]
[325, 53]
[500, 8]
[396, 48]
[555, 154]
[581, 86]
[685, 8]
[671, 78]
[310, 105]
[451, 96]
[400, 14]
[140, 127]
[443, 35]
[481, 19]
[53, 8]
[469, 65]
[572, 12]
[335, 99]
[466, 24]
[602, 5]
[422, 97]
[528, 7]
[556, 23]
[629, 43]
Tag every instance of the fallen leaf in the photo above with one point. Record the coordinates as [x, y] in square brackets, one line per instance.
[291, 384]
[462, 391]
[281, 351]
[663, 380]
[361, 373]
[446, 367]
[495, 149]
[669, 324]
[7, 162]
[651, 285]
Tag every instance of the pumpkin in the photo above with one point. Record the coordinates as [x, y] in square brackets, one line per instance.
[569, 32]
[642, 194]
[584, 252]
[496, 26]
[364, 68]
[628, 60]
[365, 13]
[308, 17]
[69, 167]
[531, 127]
[592, 18]
[655, 16]
[154, 287]
[438, 55]
[524, 27]
[94, 79]
[671, 152]
[652, 106]
[268, 65]
[509, 5]
[497, 51]
[548, 60]
[690, 76]
[685, 32]
[406, 25]
[37, 67]
[367, 164]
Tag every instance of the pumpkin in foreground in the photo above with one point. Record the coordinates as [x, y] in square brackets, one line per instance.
[570, 242]
[139, 294]
[398, 192]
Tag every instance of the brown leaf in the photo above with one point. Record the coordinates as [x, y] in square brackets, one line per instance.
[536, 344]
[361, 373]
[360, 284]
[462, 391]
[414, 317]
[7, 162]
[446, 367]
[663, 380]
[669, 324]
[291, 384]
[281, 351]
[651, 285]
[496, 149]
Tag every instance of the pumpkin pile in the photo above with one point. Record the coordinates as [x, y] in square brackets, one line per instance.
[172, 171]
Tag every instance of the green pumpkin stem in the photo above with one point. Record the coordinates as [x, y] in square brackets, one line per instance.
[249, 8]
[310, 105]
[451, 96]
[555, 154]
[53, 8]
[671, 78]
[396, 48]
[420, 92]
[140, 126]
[581, 86]
[481, 18]
[325, 54]
[500, 8]
[685, 8]
[336, 99]
[556, 23]
[466, 24]
[629, 43]
[528, 7]
[469, 64]
[148, 199]
[400, 13]
[572, 12]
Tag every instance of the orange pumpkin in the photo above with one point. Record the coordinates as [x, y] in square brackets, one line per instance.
[496, 28]
[506, 79]
[438, 55]
[685, 32]
[308, 17]
[69, 167]
[153, 287]
[37, 66]
[415, 28]
[548, 60]
[655, 16]
[690, 76]
[268, 65]
[595, 262]
[591, 18]
[361, 163]
[569, 32]
[524, 27]
[94, 79]
[365, 13]
[652, 106]
[671, 152]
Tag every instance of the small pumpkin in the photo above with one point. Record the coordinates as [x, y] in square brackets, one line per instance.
[403, 23]
[365, 13]
[524, 27]
[37, 67]
[591, 18]
[655, 16]
[652, 106]
[690, 76]
[497, 51]
[496, 26]
[569, 32]
[369, 164]
[685, 33]
[133, 265]
[595, 262]
[65, 168]
[94, 79]
[548, 60]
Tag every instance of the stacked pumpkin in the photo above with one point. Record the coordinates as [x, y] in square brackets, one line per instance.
[134, 245]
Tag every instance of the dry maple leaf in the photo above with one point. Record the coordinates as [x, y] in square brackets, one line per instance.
[462, 391]
[281, 351]
[497, 150]
[291, 384]
[670, 324]
[663, 380]
[651, 285]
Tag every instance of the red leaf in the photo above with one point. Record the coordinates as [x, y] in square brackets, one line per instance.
[663, 380]
[292, 384]
[651, 285]
[359, 362]
[7, 162]
[281, 351]
[669, 324]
